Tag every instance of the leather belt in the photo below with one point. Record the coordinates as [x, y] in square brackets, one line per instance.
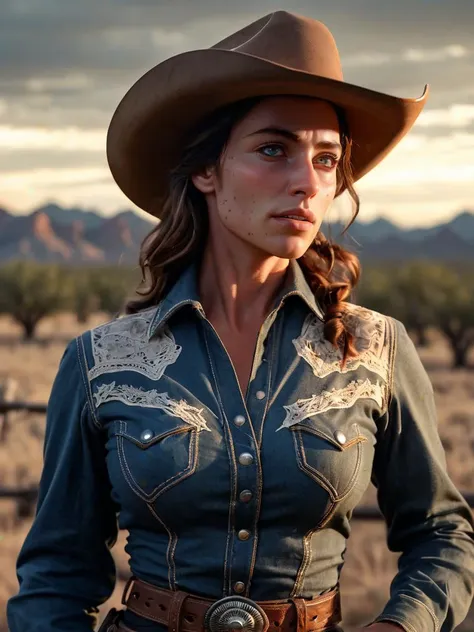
[182, 612]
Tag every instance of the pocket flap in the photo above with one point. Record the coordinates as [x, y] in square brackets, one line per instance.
[145, 434]
[340, 436]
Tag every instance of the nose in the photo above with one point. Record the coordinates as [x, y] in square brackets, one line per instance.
[304, 179]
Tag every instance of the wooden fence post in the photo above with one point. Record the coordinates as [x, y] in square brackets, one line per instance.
[8, 391]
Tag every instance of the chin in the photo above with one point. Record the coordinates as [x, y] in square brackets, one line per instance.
[291, 249]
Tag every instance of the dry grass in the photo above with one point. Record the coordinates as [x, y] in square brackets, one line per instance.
[369, 567]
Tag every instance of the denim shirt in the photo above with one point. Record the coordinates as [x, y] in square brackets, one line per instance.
[229, 493]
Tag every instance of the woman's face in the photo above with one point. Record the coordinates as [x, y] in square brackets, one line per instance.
[277, 177]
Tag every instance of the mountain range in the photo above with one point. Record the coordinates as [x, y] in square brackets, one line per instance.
[78, 237]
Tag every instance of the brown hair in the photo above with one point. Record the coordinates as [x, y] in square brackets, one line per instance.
[180, 237]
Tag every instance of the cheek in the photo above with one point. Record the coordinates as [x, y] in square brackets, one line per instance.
[327, 191]
[243, 190]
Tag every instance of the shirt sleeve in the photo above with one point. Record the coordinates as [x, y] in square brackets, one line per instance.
[65, 568]
[428, 521]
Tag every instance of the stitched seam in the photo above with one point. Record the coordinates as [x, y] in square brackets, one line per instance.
[156, 438]
[233, 475]
[171, 537]
[126, 470]
[260, 472]
[187, 471]
[393, 353]
[352, 482]
[154, 320]
[165, 485]
[259, 487]
[158, 321]
[307, 550]
[319, 433]
[87, 386]
[432, 614]
[308, 470]
[396, 619]
[269, 382]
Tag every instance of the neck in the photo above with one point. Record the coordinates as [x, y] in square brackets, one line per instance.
[238, 288]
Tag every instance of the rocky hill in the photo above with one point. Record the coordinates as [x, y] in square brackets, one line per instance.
[79, 237]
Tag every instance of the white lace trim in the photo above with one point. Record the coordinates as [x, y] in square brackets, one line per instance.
[133, 396]
[368, 328]
[336, 398]
[123, 345]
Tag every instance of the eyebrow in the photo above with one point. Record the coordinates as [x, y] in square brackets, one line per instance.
[286, 133]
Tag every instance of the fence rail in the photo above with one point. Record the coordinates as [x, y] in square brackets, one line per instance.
[9, 407]
[30, 494]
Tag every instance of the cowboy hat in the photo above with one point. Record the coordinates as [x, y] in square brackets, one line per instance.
[279, 54]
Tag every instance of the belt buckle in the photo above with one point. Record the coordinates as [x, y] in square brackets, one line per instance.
[235, 614]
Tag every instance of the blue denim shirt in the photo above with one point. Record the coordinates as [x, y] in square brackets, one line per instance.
[224, 492]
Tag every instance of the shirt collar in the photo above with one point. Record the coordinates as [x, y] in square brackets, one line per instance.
[295, 284]
[185, 292]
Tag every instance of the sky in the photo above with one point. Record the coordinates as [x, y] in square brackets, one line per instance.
[66, 64]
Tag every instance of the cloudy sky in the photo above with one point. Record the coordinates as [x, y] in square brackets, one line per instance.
[65, 64]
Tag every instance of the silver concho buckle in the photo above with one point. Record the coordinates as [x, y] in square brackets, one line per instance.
[235, 614]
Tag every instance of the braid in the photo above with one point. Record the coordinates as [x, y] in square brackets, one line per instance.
[332, 272]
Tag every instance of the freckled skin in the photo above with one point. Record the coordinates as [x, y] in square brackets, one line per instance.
[259, 181]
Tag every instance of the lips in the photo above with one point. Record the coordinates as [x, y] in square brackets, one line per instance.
[299, 214]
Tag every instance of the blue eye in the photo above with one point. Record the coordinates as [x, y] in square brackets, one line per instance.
[270, 150]
[333, 160]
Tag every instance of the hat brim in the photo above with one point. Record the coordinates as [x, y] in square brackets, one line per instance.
[151, 123]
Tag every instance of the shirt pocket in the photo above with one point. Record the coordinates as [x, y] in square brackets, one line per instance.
[330, 454]
[152, 459]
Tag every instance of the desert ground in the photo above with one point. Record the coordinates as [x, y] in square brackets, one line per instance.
[369, 567]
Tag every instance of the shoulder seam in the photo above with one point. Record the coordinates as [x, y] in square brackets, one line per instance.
[87, 388]
[393, 342]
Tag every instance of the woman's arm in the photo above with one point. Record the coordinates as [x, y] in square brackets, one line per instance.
[428, 520]
[65, 568]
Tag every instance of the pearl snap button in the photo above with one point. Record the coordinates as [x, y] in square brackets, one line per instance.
[245, 459]
[239, 587]
[146, 435]
[243, 534]
[239, 420]
[245, 496]
[340, 437]
[260, 395]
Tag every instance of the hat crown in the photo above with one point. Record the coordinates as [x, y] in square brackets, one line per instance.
[290, 40]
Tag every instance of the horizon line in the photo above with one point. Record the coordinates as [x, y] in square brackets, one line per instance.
[148, 217]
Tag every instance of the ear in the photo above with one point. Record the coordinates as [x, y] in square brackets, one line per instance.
[205, 181]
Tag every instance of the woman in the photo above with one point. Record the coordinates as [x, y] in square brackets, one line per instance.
[235, 416]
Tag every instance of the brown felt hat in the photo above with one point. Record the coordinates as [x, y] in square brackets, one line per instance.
[279, 54]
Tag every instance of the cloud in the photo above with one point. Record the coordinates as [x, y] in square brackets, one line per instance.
[424, 160]
[69, 64]
[410, 55]
[67, 139]
[454, 51]
[457, 115]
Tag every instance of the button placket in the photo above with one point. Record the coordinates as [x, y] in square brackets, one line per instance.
[243, 435]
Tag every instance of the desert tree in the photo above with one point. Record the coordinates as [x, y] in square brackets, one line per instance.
[30, 291]
[417, 284]
[455, 313]
[85, 300]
